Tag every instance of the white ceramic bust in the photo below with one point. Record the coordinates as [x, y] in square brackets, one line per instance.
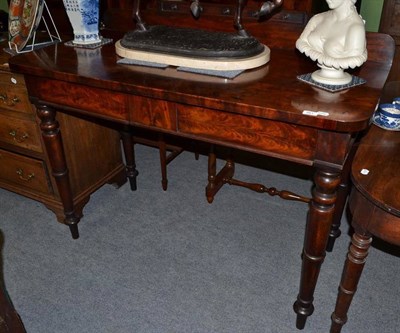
[336, 40]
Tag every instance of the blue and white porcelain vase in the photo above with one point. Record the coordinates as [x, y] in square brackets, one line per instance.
[84, 18]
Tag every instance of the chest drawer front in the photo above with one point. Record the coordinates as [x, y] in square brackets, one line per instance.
[24, 171]
[21, 133]
[13, 93]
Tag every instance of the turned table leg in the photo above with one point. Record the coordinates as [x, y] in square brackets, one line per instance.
[162, 150]
[319, 223]
[52, 139]
[353, 268]
[342, 195]
[212, 172]
[129, 152]
[217, 180]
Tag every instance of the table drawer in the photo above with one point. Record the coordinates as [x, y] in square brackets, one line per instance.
[21, 133]
[24, 171]
[13, 93]
[153, 112]
[249, 133]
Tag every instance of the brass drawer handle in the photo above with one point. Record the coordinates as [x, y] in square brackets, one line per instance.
[20, 173]
[17, 138]
[7, 101]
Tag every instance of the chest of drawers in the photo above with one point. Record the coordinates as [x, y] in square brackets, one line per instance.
[24, 163]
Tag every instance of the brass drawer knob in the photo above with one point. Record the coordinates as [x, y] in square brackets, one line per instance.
[20, 173]
[18, 138]
[9, 101]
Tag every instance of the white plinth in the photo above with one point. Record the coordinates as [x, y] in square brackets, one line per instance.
[331, 76]
[223, 64]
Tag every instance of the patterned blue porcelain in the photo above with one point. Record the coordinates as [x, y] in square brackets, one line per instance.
[388, 116]
[84, 18]
[396, 100]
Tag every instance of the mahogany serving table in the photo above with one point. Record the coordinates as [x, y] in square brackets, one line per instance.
[265, 110]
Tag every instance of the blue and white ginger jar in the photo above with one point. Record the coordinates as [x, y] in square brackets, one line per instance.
[84, 18]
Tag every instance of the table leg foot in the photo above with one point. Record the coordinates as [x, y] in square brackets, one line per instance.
[72, 219]
[132, 180]
[337, 323]
[303, 310]
[73, 228]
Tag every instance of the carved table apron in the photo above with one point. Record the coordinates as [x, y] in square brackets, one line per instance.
[261, 111]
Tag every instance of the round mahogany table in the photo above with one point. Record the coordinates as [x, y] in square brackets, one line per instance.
[375, 206]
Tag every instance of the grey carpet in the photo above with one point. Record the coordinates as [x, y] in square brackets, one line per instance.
[168, 262]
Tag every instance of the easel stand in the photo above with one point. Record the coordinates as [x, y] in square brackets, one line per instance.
[51, 37]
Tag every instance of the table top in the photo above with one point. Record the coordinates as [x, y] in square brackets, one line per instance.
[271, 91]
[375, 169]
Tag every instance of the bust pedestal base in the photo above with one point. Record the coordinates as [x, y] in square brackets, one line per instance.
[331, 76]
